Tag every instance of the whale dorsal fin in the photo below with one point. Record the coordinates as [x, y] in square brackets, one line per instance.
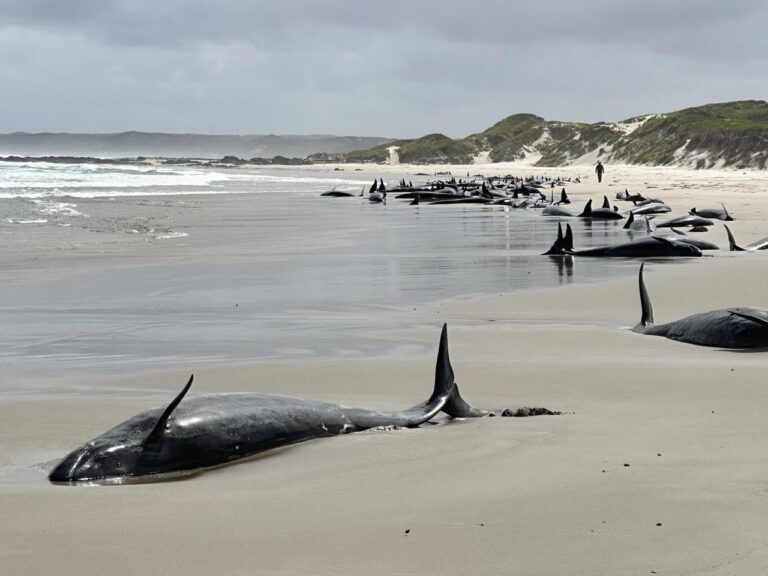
[157, 432]
[645, 302]
[732, 241]
[606, 204]
[587, 212]
[752, 317]
[629, 221]
[728, 217]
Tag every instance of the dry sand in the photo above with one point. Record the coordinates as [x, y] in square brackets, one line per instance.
[657, 466]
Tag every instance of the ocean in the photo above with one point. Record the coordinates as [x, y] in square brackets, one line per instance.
[124, 267]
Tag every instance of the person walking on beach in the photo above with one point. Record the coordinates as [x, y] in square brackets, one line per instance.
[599, 169]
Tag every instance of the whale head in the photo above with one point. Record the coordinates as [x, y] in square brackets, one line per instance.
[137, 447]
[98, 461]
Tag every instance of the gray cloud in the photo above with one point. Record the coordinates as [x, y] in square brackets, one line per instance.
[387, 68]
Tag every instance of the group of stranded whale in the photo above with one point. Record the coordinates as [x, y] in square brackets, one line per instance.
[512, 192]
[207, 431]
[191, 435]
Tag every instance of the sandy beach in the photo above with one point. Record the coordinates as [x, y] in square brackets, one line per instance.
[657, 464]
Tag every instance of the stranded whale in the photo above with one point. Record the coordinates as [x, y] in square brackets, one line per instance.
[603, 213]
[693, 221]
[649, 246]
[724, 328]
[214, 429]
[715, 213]
[759, 245]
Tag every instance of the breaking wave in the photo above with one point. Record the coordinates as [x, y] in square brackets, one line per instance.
[53, 180]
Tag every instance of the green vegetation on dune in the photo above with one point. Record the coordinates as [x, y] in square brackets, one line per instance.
[435, 149]
[507, 140]
[378, 154]
[429, 149]
[727, 116]
[571, 140]
[729, 134]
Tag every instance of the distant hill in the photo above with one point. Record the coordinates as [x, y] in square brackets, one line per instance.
[131, 144]
[730, 134]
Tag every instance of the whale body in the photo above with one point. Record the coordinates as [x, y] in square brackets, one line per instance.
[739, 328]
[210, 430]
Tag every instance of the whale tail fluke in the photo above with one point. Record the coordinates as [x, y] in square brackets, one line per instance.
[557, 248]
[732, 241]
[456, 406]
[568, 239]
[646, 318]
[445, 396]
[444, 378]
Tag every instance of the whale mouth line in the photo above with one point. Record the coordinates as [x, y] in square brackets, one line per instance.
[129, 479]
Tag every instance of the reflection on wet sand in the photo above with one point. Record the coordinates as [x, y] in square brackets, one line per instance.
[564, 265]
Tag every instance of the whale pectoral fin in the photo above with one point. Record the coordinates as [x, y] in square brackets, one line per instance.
[664, 240]
[753, 318]
[157, 432]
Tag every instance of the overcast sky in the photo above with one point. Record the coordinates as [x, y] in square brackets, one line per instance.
[357, 67]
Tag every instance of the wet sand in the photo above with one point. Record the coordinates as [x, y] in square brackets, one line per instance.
[657, 464]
